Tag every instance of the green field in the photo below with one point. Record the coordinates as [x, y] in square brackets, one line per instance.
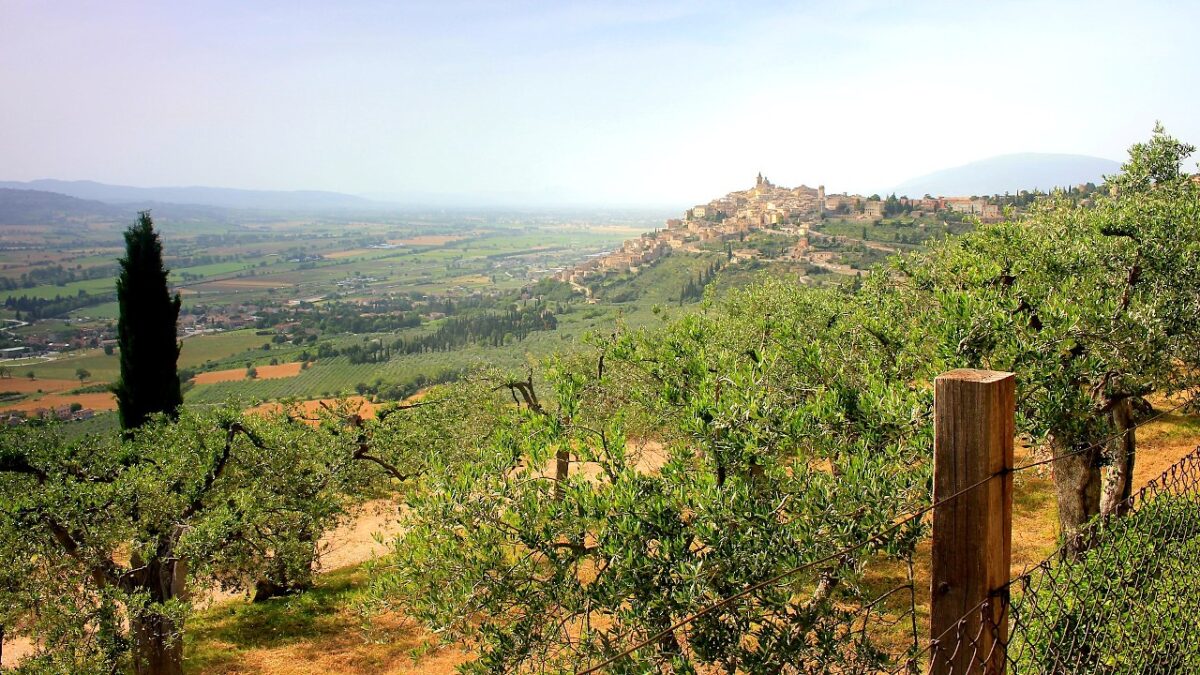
[105, 311]
[496, 258]
[195, 352]
[90, 286]
[103, 368]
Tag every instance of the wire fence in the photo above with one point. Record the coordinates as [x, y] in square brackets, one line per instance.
[1130, 603]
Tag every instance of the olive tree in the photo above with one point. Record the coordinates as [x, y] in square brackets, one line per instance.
[1091, 305]
[769, 432]
[99, 528]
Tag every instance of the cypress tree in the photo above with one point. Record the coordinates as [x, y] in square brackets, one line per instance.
[146, 330]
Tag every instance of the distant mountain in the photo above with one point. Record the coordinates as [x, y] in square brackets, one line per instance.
[35, 207]
[1010, 173]
[206, 196]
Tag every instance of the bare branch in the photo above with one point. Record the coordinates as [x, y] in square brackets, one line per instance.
[103, 572]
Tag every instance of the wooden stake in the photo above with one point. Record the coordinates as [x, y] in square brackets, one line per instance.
[974, 412]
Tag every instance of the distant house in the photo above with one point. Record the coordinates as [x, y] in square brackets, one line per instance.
[965, 205]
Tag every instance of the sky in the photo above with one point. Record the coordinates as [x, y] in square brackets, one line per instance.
[621, 103]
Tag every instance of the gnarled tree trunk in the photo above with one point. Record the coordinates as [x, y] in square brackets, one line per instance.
[1077, 482]
[157, 638]
[158, 646]
[1118, 482]
[562, 466]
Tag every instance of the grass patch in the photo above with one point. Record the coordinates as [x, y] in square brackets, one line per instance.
[103, 368]
[319, 631]
[280, 621]
[1172, 427]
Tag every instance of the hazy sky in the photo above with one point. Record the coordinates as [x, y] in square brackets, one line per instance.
[639, 102]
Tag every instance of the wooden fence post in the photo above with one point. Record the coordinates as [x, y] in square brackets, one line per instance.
[974, 413]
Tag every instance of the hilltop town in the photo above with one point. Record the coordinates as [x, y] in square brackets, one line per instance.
[730, 217]
[794, 211]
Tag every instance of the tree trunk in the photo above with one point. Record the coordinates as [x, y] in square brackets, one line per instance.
[1118, 483]
[284, 580]
[669, 648]
[1077, 483]
[158, 646]
[157, 638]
[562, 463]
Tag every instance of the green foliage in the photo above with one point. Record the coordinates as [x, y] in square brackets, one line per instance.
[786, 433]
[903, 230]
[793, 422]
[105, 531]
[1087, 305]
[660, 471]
[550, 290]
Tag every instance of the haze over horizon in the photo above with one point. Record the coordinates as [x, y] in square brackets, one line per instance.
[615, 103]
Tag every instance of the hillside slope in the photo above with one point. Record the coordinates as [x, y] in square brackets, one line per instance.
[31, 207]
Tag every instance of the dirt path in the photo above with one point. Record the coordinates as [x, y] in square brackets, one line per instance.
[368, 535]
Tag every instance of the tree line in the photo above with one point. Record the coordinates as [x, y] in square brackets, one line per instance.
[693, 288]
[491, 329]
[55, 274]
[44, 308]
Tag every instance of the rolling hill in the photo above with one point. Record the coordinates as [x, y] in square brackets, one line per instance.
[206, 196]
[1010, 173]
[29, 207]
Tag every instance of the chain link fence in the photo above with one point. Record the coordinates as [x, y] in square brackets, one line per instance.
[1129, 603]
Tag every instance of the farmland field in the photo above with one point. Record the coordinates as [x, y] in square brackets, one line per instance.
[194, 352]
[236, 375]
[263, 293]
[202, 348]
[103, 368]
[25, 385]
[99, 401]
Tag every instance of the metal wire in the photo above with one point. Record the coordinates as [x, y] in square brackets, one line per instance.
[1129, 602]
[962, 641]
